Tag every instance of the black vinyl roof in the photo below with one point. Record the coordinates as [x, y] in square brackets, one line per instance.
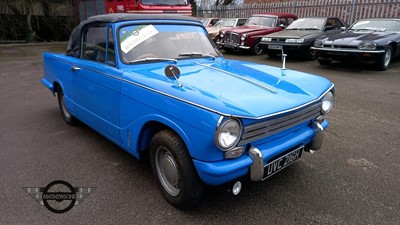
[74, 44]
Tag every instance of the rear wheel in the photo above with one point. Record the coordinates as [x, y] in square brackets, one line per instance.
[324, 62]
[174, 170]
[384, 61]
[68, 118]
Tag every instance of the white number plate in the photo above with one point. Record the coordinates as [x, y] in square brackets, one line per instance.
[278, 47]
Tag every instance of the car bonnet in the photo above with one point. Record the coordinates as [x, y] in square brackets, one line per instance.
[229, 87]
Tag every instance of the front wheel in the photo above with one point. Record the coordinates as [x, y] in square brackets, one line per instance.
[384, 61]
[310, 54]
[257, 49]
[68, 118]
[174, 170]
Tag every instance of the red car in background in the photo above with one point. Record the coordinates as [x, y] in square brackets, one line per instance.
[248, 36]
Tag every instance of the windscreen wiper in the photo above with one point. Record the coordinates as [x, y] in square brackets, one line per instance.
[153, 59]
[197, 54]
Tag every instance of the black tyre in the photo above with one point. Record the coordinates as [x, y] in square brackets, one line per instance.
[174, 170]
[310, 54]
[384, 61]
[257, 49]
[68, 118]
[324, 62]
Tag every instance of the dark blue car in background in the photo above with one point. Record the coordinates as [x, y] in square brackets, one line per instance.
[373, 41]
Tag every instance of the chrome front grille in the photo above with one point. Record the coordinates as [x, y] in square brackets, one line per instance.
[272, 126]
[231, 38]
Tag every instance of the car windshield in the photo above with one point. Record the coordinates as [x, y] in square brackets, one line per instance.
[307, 24]
[377, 25]
[225, 23]
[262, 21]
[164, 2]
[163, 42]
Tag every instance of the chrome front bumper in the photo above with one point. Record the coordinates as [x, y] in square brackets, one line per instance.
[257, 167]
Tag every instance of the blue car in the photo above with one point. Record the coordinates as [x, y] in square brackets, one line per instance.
[158, 84]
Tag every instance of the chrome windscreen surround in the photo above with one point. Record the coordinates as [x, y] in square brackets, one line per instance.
[272, 126]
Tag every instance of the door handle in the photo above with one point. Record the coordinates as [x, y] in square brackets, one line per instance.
[75, 68]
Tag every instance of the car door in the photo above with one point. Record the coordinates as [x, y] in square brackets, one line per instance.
[97, 82]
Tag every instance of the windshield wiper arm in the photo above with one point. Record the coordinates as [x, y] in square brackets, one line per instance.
[197, 54]
[153, 59]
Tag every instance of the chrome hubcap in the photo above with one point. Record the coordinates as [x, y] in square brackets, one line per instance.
[167, 171]
[388, 55]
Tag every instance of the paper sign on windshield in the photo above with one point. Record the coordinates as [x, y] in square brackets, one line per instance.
[137, 36]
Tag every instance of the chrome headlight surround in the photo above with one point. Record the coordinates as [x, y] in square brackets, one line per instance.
[294, 40]
[327, 102]
[243, 37]
[367, 45]
[221, 34]
[228, 133]
[266, 39]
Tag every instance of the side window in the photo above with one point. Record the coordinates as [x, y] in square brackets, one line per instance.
[290, 20]
[338, 24]
[241, 22]
[93, 45]
[213, 21]
[281, 21]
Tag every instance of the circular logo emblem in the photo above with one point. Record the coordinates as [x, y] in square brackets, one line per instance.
[59, 196]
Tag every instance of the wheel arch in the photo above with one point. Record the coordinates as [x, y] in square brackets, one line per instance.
[394, 46]
[150, 127]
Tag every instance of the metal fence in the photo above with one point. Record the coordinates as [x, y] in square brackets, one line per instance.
[348, 10]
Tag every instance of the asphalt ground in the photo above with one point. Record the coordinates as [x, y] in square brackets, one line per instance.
[354, 179]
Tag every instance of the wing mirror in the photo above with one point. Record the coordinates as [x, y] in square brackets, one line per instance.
[282, 26]
[173, 73]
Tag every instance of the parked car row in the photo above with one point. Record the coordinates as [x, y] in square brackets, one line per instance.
[374, 41]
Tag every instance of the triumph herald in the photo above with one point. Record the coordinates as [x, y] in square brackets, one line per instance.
[158, 84]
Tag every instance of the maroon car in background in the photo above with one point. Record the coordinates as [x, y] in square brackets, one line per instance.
[248, 36]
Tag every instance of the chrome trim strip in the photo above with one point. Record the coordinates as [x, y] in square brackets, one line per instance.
[347, 50]
[240, 77]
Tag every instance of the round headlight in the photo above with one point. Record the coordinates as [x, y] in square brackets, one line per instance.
[327, 102]
[228, 134]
